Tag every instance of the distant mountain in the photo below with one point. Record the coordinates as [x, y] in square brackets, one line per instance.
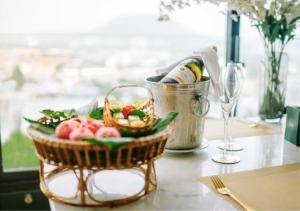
[142, 25]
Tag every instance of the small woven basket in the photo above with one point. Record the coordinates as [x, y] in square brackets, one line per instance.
[147, 108]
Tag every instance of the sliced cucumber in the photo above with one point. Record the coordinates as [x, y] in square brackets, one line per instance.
[123, 121]
[133, 118]
[118, 116]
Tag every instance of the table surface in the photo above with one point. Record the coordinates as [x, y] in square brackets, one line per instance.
[177, 174]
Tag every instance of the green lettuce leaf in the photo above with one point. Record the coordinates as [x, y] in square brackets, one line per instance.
[163, 123]
[41, 127]
[67, 114]
[53, 114]
[158, 126]
[138, 113]
[97, 113]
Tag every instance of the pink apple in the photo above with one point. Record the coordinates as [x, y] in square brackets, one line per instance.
[108, 132]
[93, 125]
[81, 132]
[64, 129]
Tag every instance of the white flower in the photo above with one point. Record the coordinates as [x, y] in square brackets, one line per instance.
[254, 9]
[261, 9]
[273, 7]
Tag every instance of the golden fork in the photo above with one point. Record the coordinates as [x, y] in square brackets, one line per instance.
[222, 189]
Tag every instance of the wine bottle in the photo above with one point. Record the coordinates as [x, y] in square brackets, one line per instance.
[187, 72]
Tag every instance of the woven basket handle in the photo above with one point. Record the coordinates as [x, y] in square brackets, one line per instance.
[124, 86]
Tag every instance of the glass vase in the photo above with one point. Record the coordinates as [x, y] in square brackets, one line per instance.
[273, 85]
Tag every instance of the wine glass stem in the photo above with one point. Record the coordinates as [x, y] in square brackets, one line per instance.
[230, 122]
[226, 132]
[229, 131]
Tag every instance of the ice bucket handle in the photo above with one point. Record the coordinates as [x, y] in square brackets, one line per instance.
[197, 103]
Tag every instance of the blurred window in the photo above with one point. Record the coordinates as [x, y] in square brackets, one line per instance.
[61, 54]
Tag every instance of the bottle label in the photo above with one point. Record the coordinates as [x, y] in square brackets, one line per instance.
[182, 74]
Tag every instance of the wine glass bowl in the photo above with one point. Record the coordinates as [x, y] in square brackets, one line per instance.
[235, 80]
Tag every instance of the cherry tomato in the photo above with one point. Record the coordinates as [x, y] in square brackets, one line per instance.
[126, 110]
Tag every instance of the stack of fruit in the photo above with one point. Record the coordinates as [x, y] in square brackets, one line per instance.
[78, 128]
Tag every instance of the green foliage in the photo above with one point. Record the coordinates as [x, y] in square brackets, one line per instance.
[68, 114]
[53, 114]
[277, 32]
[97, 113]
[157, 126]
[19, 152]
[272, 106]
[50, 120]
[156, 122]
[277, 28]
[162, 124]
[138, 113]
[47, 129]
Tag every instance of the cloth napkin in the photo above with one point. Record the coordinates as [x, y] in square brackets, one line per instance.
[214, 128]
[272, 188]
[211, 61]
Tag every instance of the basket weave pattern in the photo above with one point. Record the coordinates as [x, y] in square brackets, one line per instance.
[82, 158]
[93, 156]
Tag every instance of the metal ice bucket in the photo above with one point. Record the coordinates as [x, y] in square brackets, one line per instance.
[190, 101]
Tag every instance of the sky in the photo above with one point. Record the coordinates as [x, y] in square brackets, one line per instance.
[63, 16]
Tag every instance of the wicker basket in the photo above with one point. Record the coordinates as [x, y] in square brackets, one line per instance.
[147, 108]
[84, 160]
[80, 154]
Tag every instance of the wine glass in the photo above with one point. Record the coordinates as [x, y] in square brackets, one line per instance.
[230, 84]
[239, 67]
